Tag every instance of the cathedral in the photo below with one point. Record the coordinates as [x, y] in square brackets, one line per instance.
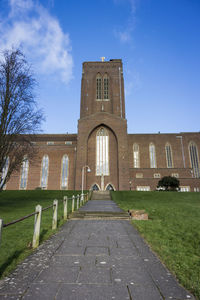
[102, 155]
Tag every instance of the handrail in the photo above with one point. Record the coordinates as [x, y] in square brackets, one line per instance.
[21, 219]
[26, 217]
[48, 207]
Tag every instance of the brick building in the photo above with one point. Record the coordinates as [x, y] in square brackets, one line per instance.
[114, 158]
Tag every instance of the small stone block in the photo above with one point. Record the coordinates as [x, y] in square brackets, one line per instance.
[138, 214]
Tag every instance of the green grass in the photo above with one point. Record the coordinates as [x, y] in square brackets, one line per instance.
[17, 238]
[173, 230]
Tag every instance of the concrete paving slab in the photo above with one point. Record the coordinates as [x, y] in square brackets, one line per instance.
[119, 261]
[97, 251]
[59, 274]
[132, 276]
[141, 292]
[68, 250]
[42, 291]
[95, 275]
[72, 261]
[97, 292]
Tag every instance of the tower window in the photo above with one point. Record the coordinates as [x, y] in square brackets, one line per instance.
[102, 87]
[99, 87]
[194, 159]
[136, 156]
[168, 152]
[152, 155]
[45, 169]
[105, 87]
[65, 166]
[102, 152]
[24, 174]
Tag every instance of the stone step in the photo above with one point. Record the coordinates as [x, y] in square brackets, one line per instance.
[94, 215]
[101, 195]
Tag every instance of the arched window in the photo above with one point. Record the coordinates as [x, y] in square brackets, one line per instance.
[4, 171]
[168, 151]
[136, 156]
[152, 155]
[194, 159]
[105, 87]
[99, 87]
[64, 175]
[24, 174]
[45, 169]
[102, 152]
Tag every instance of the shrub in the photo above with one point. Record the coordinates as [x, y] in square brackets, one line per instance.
[168, 183]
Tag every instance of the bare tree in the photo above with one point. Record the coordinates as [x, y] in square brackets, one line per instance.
[19, 116]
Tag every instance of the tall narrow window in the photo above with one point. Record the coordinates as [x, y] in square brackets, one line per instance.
[136, 156]
[99, 86]
[102, 152]
[152, 155]
[65, 166]
[194, 159]
[105, 87]
[168, 151]
[45, 168]
[24, 174]
[4, 171]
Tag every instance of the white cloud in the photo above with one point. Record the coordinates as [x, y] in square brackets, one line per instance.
[30, 26]
[125, 35]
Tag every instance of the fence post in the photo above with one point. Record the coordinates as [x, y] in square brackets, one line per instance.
[73, 200]
[1, 227]
[36, 233]
[77, 205]
[55, 214]
[82, 199]
[65, 202]
[87, 198]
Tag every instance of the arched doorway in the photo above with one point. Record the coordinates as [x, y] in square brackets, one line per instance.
[109, 187]
[95, 187]
[102, 157]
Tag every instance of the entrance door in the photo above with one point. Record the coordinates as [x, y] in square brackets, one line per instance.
[95, 187]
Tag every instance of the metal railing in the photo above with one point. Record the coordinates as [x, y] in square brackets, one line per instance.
[80, 200]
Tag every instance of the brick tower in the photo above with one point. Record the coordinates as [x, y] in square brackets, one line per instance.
[102, 128]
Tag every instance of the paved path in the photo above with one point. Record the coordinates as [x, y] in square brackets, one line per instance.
[93, 259]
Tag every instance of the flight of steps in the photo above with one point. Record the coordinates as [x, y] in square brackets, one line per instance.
[101, 195]
[97, 215]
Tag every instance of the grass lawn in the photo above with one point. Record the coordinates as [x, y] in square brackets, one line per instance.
[16, 239]
[173, 230]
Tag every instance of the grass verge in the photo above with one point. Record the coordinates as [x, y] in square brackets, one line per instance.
[16, 239]
[173, 230]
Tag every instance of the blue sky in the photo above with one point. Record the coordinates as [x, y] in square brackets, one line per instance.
[158, 41]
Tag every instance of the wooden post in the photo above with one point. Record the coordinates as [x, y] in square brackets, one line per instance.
[55, 214]
[82, 199]
[77, 204]
[65, 202]
[1, 227]
[36, 234]
[73, 200]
